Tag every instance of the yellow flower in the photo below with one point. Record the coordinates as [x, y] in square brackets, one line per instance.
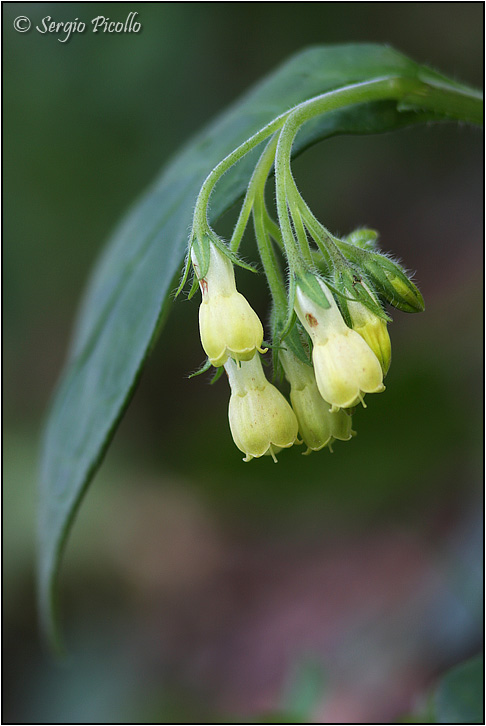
[228, 326]
[344, 364]
[261, 420]
[318, 426]
[373, 330]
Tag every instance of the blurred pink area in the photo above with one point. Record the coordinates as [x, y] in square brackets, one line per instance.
[229, 616]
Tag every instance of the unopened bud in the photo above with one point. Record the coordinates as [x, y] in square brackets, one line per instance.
[393, 284]
[366, 239]
[373, 329]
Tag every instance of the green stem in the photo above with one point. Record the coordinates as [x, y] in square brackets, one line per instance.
[357, 93]
[301, 213]
[431, 94]
[306, 212]
[256, 187]
[291, 247]
[443, 96]
[273, 229]
[269, 260]
[242, 221]
[318, 232]
[294, 205]
[260, 220]
[379, 89]
[201, 223]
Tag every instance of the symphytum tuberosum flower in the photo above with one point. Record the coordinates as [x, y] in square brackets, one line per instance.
[344, 364]
[318, 426]
[261, 420]
[373, 330]
[228, 326]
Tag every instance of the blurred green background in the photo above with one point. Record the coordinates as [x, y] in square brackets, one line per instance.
[196, 587]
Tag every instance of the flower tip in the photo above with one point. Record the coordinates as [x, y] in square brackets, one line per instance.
[261, 420]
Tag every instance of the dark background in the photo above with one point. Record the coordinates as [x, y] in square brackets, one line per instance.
[196, 587]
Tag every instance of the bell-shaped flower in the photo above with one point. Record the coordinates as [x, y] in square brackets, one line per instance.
[318, 426]
[228, 326]
[344, 364]
[261, 420]
[373, 330]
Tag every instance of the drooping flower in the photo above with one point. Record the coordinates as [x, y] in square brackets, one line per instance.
[344, 364]
[228, 326]
[373, 330]
[261, 420]
[318, 426]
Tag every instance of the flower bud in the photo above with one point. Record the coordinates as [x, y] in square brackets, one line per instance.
[393, 284]
[228, 326]
[364, 238]
[344, 364]
[317, 425]
[406, 296]
[373, 330]
[261, 420]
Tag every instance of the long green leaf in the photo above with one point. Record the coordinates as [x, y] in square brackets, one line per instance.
[128, 296]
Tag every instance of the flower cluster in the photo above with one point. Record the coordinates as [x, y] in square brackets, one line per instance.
[329, 335]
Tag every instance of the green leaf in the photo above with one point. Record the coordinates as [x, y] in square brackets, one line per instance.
[306, 688]
[460, 695]
[128, 296]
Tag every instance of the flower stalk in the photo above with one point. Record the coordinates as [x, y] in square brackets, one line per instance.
[329, 333]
